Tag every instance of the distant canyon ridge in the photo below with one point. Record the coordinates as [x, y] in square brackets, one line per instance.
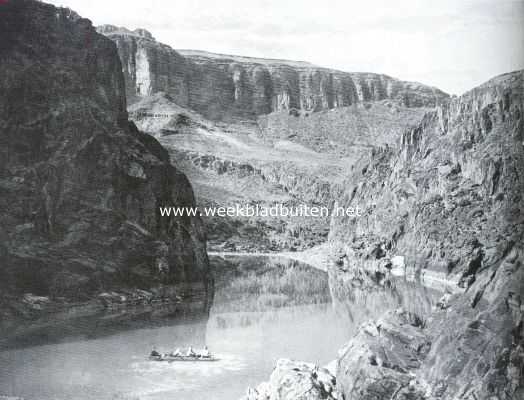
[263, 131]
[225, 87]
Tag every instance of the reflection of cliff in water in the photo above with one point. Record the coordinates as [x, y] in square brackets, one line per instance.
[360, 297]
[256, 291]
[260, 283]
[266, 308]
[90, 321]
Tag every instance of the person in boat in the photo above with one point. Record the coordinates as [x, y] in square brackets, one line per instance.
[204, 353]
[155, 353]
[190, 352]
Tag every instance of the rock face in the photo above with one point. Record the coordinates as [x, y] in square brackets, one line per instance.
[346, 131]
[149, 66]
[310, 125]
[449, 201]
[292, 380]
[80, 186]
[378, 362]
[279, 158]
[222, 87]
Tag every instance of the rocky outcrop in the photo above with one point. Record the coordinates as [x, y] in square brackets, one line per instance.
[346, 131]
[285, 176]
[80, 185]
[402, 356]
[379, 361]
[222, 87]
[449, 201]
[483, 331]
[293, 380]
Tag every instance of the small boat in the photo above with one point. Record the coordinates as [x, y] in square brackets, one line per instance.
[171, 358]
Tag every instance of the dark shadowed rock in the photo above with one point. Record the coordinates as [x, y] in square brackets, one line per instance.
[80, 186]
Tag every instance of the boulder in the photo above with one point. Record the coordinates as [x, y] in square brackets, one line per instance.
[293, 380]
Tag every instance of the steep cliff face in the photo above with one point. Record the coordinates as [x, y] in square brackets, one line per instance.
[449, 202]
[454, 175]
[264, 85]
[80, 186]
[222, 87]
[149, 66]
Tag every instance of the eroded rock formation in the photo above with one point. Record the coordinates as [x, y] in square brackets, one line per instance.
[222, 87]
[293, 380]
[448, 202]
[80, 185]
[443, 205]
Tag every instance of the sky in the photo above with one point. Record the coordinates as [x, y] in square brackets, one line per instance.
[451, 44]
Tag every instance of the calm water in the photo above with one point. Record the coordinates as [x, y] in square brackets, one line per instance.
[264, 309]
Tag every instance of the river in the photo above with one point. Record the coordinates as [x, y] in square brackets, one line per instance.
[264, 308]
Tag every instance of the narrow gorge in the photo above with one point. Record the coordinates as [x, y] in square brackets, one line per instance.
[445, 205]
[419, 297]
[437, 177]
[293, 151]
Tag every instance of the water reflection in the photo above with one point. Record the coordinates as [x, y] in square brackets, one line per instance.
[78, 324]
[359, 298]
[263, 309]
[265, 283]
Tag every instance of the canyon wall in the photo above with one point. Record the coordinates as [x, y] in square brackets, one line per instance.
[447, 203]
[80, 185]
[222, 87]
[149, 66]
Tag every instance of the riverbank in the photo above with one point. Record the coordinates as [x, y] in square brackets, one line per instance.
[30, 320]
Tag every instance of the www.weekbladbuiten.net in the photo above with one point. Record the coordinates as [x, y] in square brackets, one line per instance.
[249, 210]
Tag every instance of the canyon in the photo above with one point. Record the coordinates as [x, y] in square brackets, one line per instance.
[103, 126]
[437, 176]
[291, 154]
[447, 202]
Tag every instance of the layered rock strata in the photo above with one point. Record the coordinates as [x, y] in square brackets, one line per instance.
[222, 87]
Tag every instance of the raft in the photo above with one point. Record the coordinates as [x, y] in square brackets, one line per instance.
[170, 358]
